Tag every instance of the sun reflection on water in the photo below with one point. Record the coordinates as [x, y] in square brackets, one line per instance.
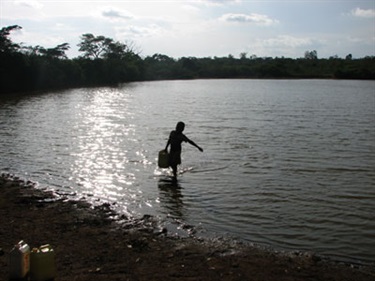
[107, 152]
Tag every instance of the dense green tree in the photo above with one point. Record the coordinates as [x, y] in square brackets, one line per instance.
[92, 46]
[6, 45]
[313, 55]
[160, 66]
[108, 62]
[115, 50]
[95, 47]
[57, 52]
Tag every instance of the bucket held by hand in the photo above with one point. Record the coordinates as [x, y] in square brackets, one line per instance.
[163, 161]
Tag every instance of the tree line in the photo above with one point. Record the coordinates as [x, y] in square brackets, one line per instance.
[105, 61]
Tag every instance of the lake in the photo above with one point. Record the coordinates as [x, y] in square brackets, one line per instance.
[288, 164]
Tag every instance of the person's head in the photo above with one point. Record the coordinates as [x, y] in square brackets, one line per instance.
[180, 127]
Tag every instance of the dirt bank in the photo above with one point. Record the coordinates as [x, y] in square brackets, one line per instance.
[89, 245]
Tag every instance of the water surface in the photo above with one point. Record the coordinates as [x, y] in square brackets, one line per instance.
[287, 163]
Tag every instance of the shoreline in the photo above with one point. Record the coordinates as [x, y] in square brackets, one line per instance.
[90, 244]
[20, 94]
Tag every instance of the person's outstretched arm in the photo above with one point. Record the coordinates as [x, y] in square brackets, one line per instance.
[194, 144]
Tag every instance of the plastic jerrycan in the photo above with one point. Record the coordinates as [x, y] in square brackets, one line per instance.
[163, 159]
[19, 261]
[42, 263]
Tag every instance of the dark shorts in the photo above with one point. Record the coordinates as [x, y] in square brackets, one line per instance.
[174, 158]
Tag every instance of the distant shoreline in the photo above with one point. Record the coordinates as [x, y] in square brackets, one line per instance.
[24, 73]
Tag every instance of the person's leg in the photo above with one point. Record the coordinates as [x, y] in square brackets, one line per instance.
[174, 169]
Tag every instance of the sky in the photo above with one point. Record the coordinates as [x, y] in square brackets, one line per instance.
[200, 28]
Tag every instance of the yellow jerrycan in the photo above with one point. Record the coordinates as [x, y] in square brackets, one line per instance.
[19, 261]
[42, 263]
[163, 161]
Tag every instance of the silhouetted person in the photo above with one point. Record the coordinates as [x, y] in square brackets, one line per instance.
[175, 139]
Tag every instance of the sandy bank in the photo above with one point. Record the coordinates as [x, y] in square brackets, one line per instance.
[89, 245]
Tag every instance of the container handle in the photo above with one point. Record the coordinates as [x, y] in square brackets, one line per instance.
[45, 248]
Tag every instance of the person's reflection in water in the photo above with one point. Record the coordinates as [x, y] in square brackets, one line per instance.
[171, 198]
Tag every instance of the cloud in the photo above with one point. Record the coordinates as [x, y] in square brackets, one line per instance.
[251, 18]
[217, 2]
[115, 14]
[29, 4]
[287, 41]
[190, 8]
[131, 32]
[361, 13]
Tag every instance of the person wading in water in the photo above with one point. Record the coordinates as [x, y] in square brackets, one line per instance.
[175, 139]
